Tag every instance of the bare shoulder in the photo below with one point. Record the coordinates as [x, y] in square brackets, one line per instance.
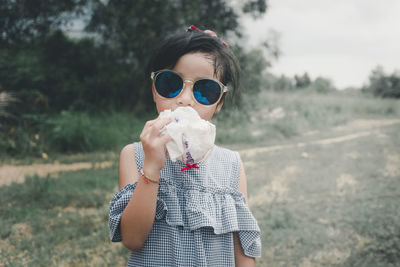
[127, 168]
[126, 150]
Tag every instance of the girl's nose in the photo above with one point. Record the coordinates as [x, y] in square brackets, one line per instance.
[186, 98]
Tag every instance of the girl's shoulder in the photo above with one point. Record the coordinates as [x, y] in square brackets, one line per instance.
[226, 154]
[224, 149]
[225, 165]
[127, 170]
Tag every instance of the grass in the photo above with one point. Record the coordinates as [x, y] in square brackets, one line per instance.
[317, 205]
[69, 133]
[54, 221]
[339, 206]
[263, 119]
[258, 122]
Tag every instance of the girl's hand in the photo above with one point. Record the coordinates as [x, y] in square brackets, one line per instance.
[154, 144]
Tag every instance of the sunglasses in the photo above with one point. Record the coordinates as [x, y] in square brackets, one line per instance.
[170, 84]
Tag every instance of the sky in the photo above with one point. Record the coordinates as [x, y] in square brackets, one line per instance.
[342, 40]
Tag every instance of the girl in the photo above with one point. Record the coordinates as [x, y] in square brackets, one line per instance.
[199, 216]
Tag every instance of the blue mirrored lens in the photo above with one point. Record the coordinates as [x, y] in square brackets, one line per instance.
[206, 91]
[168, 84]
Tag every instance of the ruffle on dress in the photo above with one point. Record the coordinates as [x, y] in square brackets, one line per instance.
[195, 207]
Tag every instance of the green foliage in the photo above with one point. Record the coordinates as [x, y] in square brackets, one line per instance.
[133, 29]
[83, 77]
[23, 20]
[73, 132]
[253, 65]
[322, 85]
[381, 226]
[62, 220]
[383, 85]
[6, 99]
[270, 115]
[84, 189]
[255, 7]
[277, 219]
[61, 81]
[278, 115]
[283, 83]
[23, 137]
[302, 81]
[50, 72]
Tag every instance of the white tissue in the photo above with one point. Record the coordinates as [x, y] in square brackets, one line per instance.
[192, 137]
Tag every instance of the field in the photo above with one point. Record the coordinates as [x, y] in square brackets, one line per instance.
[323, 182]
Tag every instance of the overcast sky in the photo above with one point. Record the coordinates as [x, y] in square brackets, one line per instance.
[338, 39]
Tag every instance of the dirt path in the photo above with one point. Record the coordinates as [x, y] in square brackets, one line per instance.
[359, 128]
[10, 173]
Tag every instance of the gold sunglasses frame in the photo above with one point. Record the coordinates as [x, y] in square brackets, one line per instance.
[154, 75]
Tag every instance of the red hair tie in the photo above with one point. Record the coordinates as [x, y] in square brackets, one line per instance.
[209, 32]
[194, 28]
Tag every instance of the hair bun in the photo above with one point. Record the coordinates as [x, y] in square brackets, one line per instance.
[209, 32]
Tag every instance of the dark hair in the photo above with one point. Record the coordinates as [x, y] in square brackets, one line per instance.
[175, 46]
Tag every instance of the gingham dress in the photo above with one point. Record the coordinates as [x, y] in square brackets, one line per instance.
[197, 212]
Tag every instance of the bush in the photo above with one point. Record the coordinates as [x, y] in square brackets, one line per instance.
[73, 132]
[69, 131]
[383, 85]
[23, 137]
[80, 131]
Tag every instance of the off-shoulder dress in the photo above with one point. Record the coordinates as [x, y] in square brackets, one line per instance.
[197, 212]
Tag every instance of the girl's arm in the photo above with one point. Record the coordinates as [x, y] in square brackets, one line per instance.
[138, 216]
[241, 260]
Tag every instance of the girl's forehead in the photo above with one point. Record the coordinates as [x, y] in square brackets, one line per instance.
[195, 65]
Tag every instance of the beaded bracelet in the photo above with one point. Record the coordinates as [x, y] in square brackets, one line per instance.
[147, 179]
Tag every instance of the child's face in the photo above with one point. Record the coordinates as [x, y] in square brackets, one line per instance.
[190, 66]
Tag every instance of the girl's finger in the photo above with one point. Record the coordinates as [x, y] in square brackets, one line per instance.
[165, 139]
[160, 123]
[153, 129]
[150, 123]
[148, 126]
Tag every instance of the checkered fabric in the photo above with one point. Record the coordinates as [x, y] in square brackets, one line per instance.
[197, 212]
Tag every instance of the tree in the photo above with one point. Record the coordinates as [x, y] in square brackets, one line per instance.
[22, 20]
[322, 85]
[383, 85]
[133, 28]
[283, 83]
[253, 65]
[302, 81]
[104, 70]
